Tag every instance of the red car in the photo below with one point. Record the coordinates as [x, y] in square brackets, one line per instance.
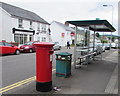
[28, 47]
[7, 48]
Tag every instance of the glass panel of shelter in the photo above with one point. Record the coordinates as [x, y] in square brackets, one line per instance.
[82, 42]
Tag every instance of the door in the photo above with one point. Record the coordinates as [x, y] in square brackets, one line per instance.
[9, 48]
[2, 48]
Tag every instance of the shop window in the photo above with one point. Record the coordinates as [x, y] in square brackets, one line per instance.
[30, 38]
[16, 38]
[24, 38]
[20, 23]
[21, 38]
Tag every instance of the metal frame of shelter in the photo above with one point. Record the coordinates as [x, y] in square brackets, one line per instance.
[94, 25]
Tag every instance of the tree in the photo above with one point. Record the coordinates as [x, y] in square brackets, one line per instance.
[104, 41]
[98, 35]
[113, 39]
[109, 38]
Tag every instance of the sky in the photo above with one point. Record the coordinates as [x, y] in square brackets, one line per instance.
[64, 10]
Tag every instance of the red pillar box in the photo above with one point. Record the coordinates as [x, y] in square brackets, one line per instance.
[44, 66]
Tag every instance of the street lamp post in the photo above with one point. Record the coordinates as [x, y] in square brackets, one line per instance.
[112, 21]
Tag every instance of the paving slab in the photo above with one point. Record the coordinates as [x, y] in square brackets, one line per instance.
[86, 80]
[92, 79]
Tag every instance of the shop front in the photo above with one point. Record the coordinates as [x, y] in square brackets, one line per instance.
[23, 36]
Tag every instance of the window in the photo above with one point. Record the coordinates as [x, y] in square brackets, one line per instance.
[43, 27]
[20, 23]
[7, 44]
[30, 38]
[31, 25]
[38, 39]
[28, 43]
[30, 22]
[38, 27]
[16, 38]
[1, 44]
[43, 39]
[22, 38]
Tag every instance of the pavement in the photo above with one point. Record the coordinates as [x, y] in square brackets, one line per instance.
[99, 77]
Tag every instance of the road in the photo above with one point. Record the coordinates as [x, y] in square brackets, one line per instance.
[19, 67]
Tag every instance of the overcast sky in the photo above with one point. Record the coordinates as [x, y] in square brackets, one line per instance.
[63, 10]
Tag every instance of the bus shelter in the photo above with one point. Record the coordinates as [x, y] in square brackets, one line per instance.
[82, 49]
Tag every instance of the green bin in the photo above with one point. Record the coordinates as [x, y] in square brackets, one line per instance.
[63, 64]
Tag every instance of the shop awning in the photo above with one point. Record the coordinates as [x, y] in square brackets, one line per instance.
[23, 30]
[94, 25]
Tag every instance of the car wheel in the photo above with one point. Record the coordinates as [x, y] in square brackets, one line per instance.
[17, 52]
[31, 50]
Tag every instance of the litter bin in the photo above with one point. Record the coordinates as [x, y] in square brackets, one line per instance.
[63, 64]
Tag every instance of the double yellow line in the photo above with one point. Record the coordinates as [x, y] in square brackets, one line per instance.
[7, 88]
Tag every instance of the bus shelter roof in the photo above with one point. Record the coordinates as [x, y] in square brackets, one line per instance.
[94, 25]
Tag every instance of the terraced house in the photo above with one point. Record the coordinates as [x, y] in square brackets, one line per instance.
[20, 25]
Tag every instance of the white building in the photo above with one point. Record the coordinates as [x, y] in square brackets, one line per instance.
[20, 25]
[61, 33]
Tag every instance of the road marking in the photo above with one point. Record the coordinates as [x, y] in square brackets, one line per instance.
[17, 85]
[112, 82]
[7, 88]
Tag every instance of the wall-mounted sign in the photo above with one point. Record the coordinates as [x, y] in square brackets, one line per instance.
[62, 35]
[72, 34]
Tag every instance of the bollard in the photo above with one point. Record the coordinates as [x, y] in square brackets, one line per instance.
[44, 55]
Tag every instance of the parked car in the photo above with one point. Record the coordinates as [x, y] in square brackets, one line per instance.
[114, 45]
[107, 46]
[56, 46]
[7, 48]
[102, 46]
[28, 47]
[97, 48]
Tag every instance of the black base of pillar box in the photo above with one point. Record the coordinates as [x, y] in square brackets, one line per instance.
[44, 87]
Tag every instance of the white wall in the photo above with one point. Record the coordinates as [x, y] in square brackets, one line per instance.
[7, 23]
[35, 25]
[0, 24]
[6, 27]
[26, 23]
[68, 37]
[26, 26]
[56, 31]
